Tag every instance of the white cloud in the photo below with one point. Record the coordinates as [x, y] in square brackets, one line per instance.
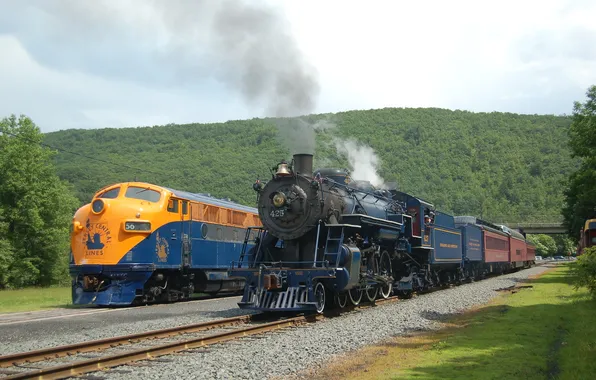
[62, 100]
[456, 54]
[529, 57]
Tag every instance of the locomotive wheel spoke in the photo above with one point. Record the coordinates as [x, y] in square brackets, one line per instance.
[341, 299]
[320, 297]
[355, 296]
[371, 293]
[385, 291]
[385, 270]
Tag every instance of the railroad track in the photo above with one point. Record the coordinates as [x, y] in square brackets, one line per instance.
[64, 361]
[27, 365]
[61, 362]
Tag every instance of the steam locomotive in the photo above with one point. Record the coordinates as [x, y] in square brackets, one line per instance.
[327, 240]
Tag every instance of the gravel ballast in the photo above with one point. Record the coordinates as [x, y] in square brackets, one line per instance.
[289, 351]
[34, 335]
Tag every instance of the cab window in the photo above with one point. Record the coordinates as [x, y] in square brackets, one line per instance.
[110, 194]
[142, 193]
[184, 207]
[173, 205]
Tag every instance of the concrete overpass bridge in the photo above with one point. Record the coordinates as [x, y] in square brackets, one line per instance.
[549, 228]
[538, 224]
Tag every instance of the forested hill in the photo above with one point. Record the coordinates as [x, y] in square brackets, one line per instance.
[496, 165]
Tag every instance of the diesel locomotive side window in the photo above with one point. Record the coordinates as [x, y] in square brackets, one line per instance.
[110, 194]
[173, 205]
[141, 193]
[184, 207]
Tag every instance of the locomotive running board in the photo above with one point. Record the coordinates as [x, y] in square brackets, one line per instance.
[343, 225]
[371, 220]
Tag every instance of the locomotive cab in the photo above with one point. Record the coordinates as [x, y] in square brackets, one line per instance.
[423, 218]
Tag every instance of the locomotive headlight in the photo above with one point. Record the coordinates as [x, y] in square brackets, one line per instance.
[279, 199]
[136, 226]
[97, 206]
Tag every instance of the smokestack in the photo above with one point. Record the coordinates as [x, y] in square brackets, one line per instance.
[303, 164]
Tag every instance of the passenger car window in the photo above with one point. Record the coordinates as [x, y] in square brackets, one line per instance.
[110, 194]
[144, 194]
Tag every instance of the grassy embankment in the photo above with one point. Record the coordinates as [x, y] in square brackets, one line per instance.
[546, 330]
[32, 299]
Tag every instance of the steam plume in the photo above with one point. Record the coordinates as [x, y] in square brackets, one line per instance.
[363, 161]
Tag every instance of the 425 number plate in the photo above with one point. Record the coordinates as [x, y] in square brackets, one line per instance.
[277, 213]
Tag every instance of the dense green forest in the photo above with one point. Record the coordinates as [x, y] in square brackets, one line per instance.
[503, 167]
[500, 166]
[36, 209]
[580, 195]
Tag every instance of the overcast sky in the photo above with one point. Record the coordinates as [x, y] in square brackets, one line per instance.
[117, 63]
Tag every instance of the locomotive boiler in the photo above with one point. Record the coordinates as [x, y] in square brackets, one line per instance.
[325, 239]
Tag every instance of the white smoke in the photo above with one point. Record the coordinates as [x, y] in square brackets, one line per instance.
[363, 160]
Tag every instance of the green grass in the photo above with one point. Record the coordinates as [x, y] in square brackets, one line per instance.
[31, 299]
[547, 331]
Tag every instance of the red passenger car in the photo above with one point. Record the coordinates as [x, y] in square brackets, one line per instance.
[496, 246]
[530, 253]
[518, 249]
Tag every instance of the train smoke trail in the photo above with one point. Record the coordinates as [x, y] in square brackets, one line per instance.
[252, 44]
[258, 57]
[363, 160]
[246, 44]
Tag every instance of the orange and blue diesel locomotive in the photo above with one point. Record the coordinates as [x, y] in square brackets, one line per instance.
[327, 240]
[138, 242]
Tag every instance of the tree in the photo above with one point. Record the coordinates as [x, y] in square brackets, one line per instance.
[580, 195]
[36, 208]
[585, 270]
[501, 166]
[545, 244]
[565, 245]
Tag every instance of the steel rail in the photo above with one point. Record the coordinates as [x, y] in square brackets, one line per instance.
[98, 364]
[94, 345]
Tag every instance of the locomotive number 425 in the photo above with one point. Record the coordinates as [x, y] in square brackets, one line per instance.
[277, 213]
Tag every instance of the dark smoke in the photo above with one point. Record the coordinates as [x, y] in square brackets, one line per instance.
[256, 55]
[247, 45]
[252, 51]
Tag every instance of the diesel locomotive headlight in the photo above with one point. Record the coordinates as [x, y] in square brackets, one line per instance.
[97, 206]
[137, 226]
[279, 199]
